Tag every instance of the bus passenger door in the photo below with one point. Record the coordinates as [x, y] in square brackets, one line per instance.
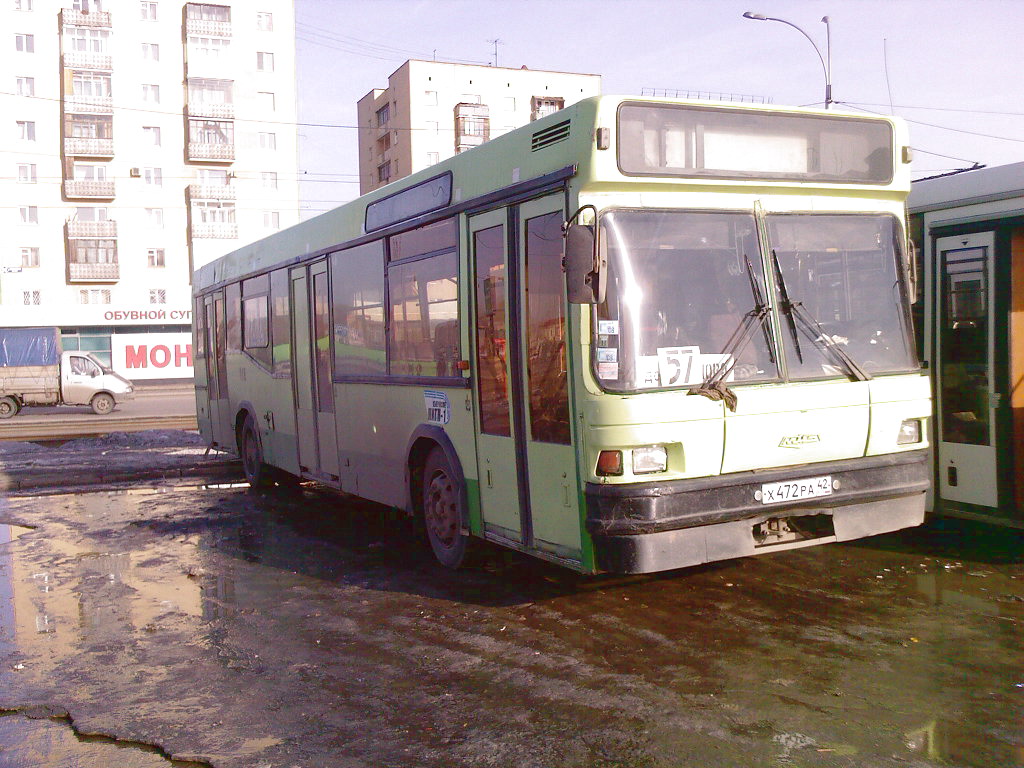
[216, 372]
[967, 397]
[323, 384]
[302, 374]
[550, 464]
[495, 445]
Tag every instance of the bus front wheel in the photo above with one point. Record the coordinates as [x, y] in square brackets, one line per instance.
[442, 510]
[257, 473]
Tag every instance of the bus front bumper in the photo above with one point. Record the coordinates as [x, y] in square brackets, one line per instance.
[647, 527]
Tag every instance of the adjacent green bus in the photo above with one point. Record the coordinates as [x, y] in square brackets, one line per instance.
[634, 335]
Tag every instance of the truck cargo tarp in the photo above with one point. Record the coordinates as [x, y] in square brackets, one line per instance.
[28, 346]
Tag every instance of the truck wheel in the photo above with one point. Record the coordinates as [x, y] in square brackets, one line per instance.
[256, 471]
[442, 510]
[102, 403]
[8, 407]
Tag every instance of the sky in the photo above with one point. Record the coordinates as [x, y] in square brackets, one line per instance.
[952, 68]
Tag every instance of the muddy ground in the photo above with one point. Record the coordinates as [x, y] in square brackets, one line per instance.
[300, 628]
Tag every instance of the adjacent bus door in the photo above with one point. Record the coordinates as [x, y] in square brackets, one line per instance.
[216, 371]
[311, 372]
[528, 480]
[967, 398]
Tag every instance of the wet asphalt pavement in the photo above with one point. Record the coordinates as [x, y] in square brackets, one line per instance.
[238, 629]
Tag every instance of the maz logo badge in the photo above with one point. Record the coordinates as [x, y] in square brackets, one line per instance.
[796, 441]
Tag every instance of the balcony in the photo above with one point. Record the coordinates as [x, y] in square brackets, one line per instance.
[96, 105]
[93, 273]
[202, 150]
[72, 18]
[208, 27]
[92, 229]
[217, 230]
[211, 192]
[88, 60]
[89, 189]
[219, 111]
[75, 146]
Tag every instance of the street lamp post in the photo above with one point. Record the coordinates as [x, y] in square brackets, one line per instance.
[826, 61]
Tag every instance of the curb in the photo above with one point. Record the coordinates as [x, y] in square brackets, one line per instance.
[228, 470]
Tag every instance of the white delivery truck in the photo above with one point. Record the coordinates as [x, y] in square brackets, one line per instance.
[34, 371]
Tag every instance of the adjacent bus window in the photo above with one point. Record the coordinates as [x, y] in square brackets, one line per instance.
[358, 298]
[256, 319]
[424, 334]
[233, 298]
[200, 331]
[280, 322]
[545, 330]
[491, 336]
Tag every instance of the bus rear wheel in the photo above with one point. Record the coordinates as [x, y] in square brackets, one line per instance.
[442, 510]
[257, 473]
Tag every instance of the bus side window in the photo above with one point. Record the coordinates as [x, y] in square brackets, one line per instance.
[256, 319]
[358, 303]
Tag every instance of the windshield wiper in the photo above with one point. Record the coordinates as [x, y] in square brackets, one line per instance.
[797, 314]
[712, 386]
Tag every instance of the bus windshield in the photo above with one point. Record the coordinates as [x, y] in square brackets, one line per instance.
[683, 285]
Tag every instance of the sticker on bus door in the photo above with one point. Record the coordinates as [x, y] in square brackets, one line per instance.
[439, 409]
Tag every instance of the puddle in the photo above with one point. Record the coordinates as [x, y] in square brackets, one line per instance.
[53, 743]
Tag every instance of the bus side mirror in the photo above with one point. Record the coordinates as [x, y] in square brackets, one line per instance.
[583, 263]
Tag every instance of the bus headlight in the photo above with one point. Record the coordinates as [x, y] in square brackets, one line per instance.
[910, 432]
[651, 458]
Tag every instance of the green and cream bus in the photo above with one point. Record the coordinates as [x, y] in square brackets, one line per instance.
[634, 335]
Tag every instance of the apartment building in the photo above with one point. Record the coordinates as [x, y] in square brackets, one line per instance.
[143, 139]
[432, 110]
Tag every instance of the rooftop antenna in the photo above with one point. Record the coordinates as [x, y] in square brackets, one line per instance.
[496, 42]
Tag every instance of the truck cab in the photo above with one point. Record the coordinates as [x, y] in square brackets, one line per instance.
[84, 380]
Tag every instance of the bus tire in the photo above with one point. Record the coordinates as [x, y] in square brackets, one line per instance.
[8, 407]
[442, 510]
[250, 448]
[102, 403]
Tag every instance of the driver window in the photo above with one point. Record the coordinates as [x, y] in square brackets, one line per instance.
[80, 366]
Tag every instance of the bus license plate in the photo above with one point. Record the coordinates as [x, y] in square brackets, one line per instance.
[794, 490]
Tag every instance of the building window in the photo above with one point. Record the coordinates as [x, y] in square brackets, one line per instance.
[26, 86]
[271, 220]
[93, 251]
[155, 257]
[220, 132]
[88, 172]
[25, 43]
[29, 214]
[545, 105]
[151, 51]
[26, 130]
[207, 12]
[87, 6]
[86, 39]
[269, 179]
[264, 61]
[27, 173]
[265, 22]
[433, 158]
[151, 135]
[148, 9]
[213, 177]
[88, 126]
[84, 83]
[206, 91]
[384, 171]
[155, 217]
[30, 298]
[94, 296]
[151, 93]
[213, 212]
[430, 98]
[208, 47]
[383, 115]
[84, 213]
[29, 257]
[154, 176]
[23, 5]
[267, 100]
[157, 296]
[268, 140]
